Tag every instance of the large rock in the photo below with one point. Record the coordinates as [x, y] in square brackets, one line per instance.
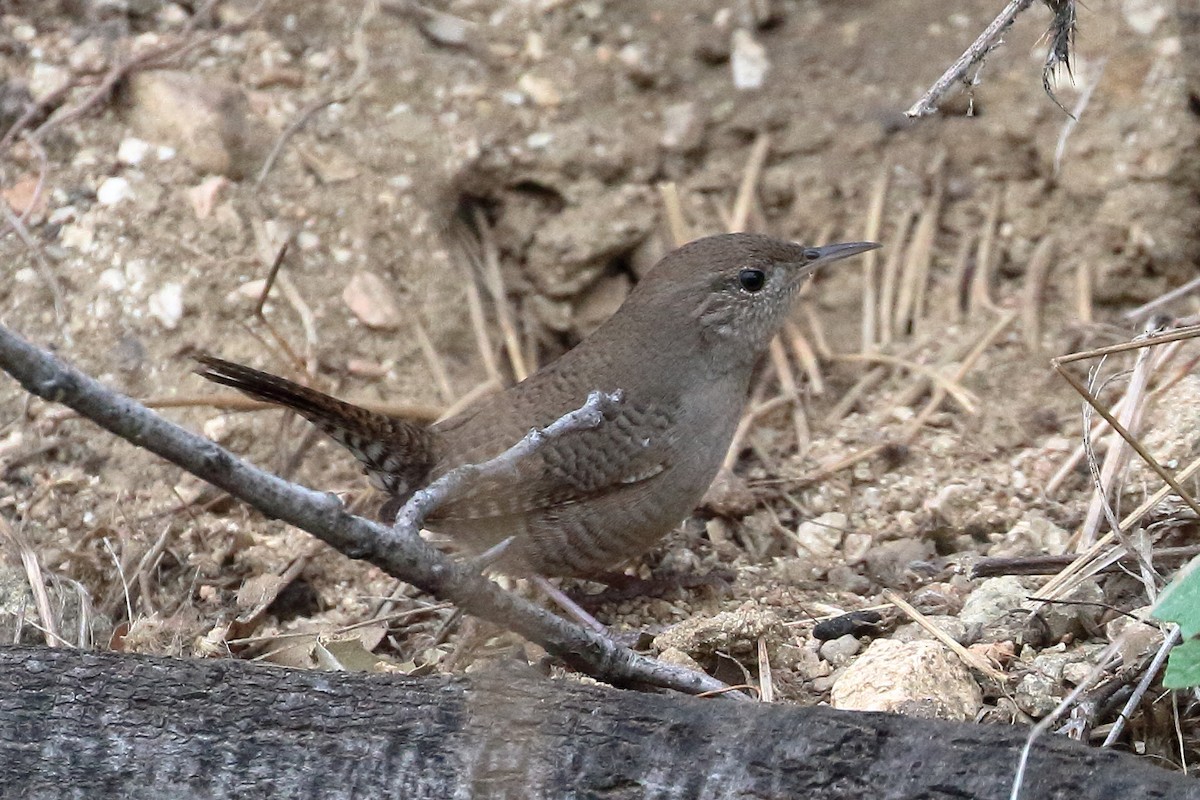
[921, 679]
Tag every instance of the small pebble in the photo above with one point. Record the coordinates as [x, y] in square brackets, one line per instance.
[748, 61]
[113, 191]
[166, 305]
[541, 91]
[132, 151]
[372, 302]
[840, 650]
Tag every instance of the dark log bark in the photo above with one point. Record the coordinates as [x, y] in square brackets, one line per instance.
[93, 725]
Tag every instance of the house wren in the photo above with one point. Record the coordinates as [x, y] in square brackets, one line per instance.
[682, 350]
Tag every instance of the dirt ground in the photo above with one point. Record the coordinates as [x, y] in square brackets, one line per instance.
[407, 149]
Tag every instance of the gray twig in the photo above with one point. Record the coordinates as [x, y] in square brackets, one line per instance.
[412, 516]
[1173, 638]
[397, 551]
[974, 55]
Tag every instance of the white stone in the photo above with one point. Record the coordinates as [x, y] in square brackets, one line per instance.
[113, 191]
[541, 91]
[45, 79]
[1144, 15]
[840, 650]
[166, 305]
[62, 215]
[112, 279]
[820, 537]
[217, 428]
[80, 236]
[133, 151]
[748, 61]
[88, 56]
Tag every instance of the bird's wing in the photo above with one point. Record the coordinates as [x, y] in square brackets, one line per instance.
[632, 445]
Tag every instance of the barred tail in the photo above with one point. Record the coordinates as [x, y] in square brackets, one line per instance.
[397, 453]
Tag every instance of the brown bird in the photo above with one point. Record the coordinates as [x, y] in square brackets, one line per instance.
[681, 349]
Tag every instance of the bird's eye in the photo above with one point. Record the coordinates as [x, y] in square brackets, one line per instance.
[812, 254]
[752, 279]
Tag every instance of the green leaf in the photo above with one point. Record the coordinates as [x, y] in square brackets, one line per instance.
[1180, 601]
[1183, 666]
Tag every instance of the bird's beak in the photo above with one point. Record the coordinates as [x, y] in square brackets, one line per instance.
[836, 252]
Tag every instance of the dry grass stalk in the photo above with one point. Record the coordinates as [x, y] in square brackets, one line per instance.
[1190, 331]
[914, 275]
[141, 577]
[1107, 550]
[766, 686]
[832, 468]
[922, 250]
[1101, 665]
[1059, 365]
[673, 207]
[870, 304]
[850, 398]
[37, 584]
[1083, 291]
[941, 389]
[945, 361]
[482, 389]
[1146, 309]
[1073, 118]
[42, 263]
[434, 361]
[816, 327]
[980, 297]
[494, 281]
[529, 330]
[807, 359]
[958, 280]
[308, 321]
[272, 251]
[972, 660]
[965, 399]
[1135, 699]
[1034, 296]
[1067, 468]
[744, 202]
[757, 408]
[361, 55]
[483, 339]
[1162, 358]
[968, 363]
[789, 390]
[891, 277]
[1111, 476]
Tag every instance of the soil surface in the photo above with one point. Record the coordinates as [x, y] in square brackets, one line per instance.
[411, 150]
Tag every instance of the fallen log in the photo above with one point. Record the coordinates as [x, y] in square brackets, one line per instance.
[91, 725]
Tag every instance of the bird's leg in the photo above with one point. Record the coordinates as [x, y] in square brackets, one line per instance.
[493, 554]
[620, 587]
[568, 605]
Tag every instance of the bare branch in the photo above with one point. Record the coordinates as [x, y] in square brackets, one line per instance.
[1061, 35]
[398, 551]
